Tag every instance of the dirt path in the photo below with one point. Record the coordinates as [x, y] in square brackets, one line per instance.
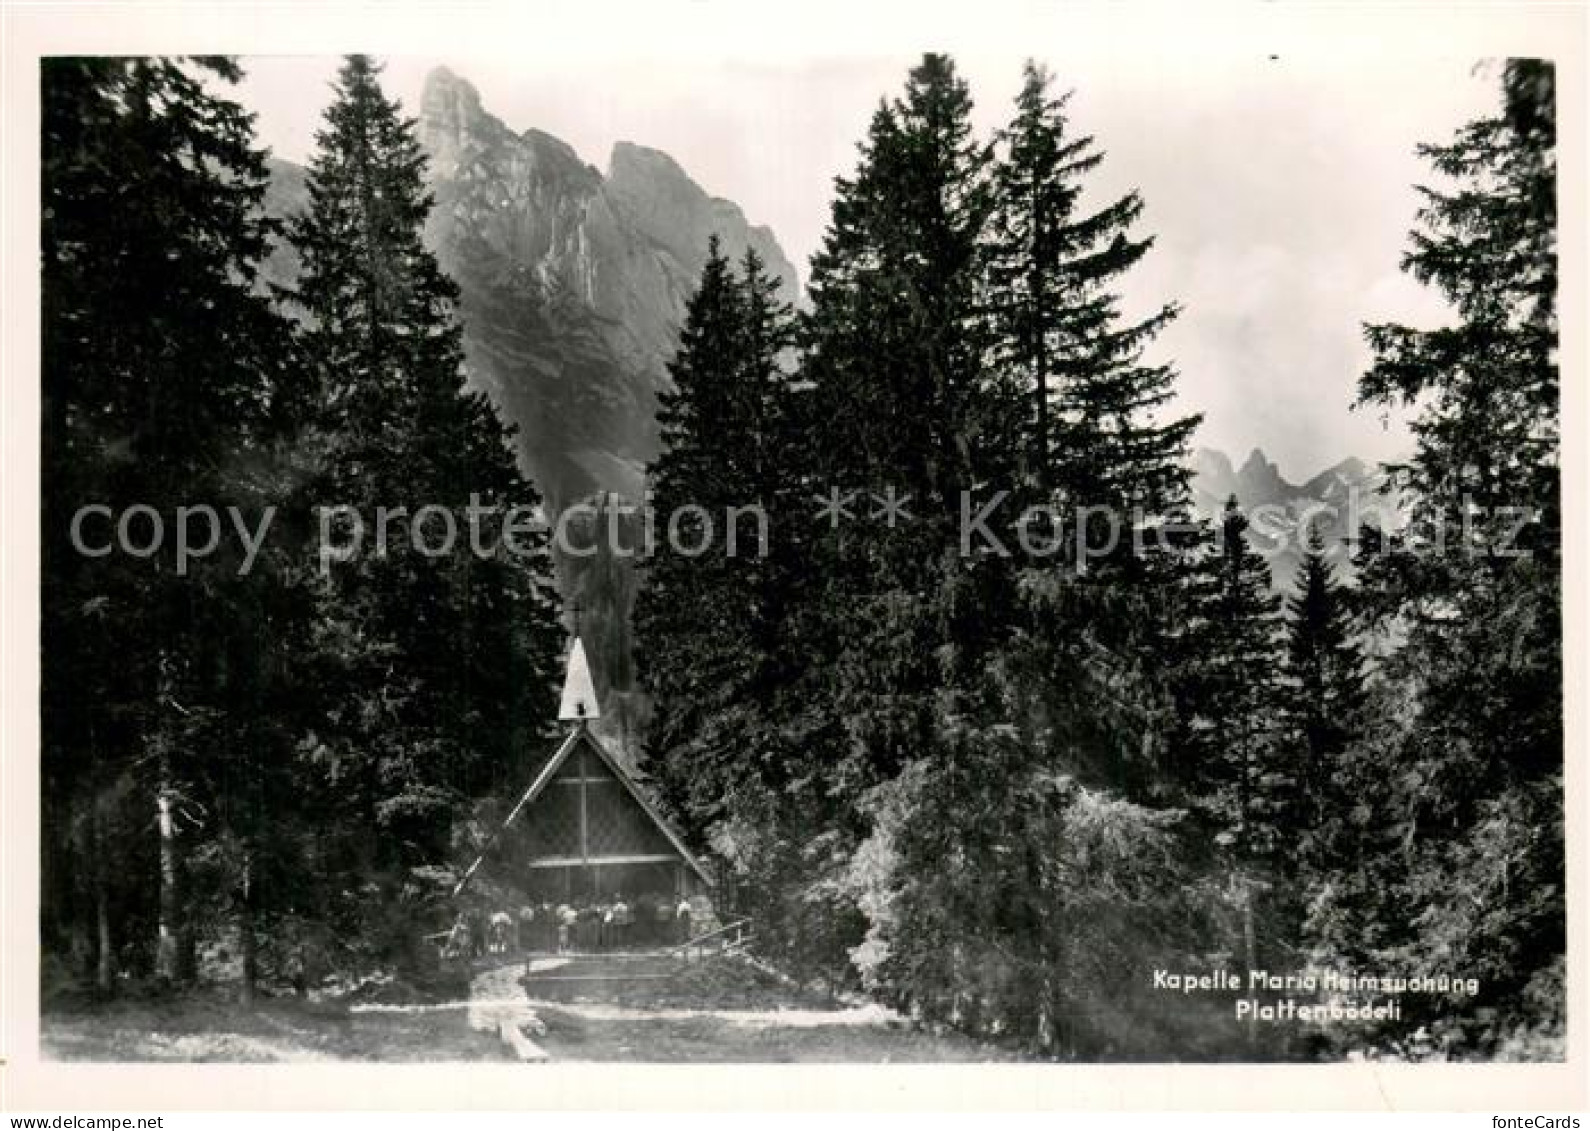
[635, 1009]
[211, 1027]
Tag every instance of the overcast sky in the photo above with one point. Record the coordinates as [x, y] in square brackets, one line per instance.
[1280, 191]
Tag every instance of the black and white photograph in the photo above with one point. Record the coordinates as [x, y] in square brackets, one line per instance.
[974, 552]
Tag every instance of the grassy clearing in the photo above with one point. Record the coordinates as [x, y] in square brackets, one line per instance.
[665, 982]
[570, 1037]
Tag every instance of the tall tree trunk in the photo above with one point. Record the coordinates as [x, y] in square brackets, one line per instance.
[174, 953]
[166, 948]
[1040, 351]
[1250, 946]
[105, 969]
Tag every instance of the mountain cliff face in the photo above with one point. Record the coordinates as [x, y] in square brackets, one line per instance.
[574, 282]
[1336, 502]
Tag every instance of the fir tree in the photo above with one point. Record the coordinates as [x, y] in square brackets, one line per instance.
[1225, 752]
[1230, 753]
[1093, 403]
[894, 339]
[870, 627]
[680, 625]
[1322, 689]
[1095, 444]
[901, 401]
[709, 623]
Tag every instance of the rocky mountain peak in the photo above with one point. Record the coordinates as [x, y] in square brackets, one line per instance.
[1259, 477]
[630, 162]
[655, 194]
[447, 92]
[555, 150]
[1212, 466]
[1352, 468]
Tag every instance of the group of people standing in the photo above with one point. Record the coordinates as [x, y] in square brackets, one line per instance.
[611, 925]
